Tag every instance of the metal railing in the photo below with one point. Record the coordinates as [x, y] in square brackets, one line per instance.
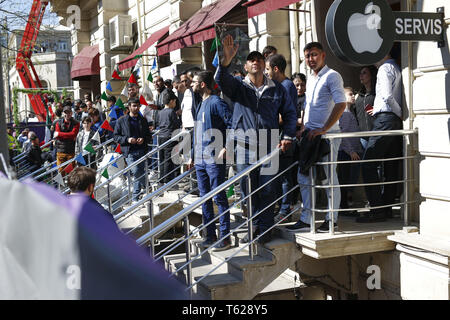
[332, 172]
[49, 172]
[126, 172]
[183, 215]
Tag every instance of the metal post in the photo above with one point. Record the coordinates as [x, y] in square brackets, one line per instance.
[89, 160]
[146, 175]
[313, 201]
[129, 186]
[405, 177]
[109, 197]
[188, 254]
[331, 182]
[150, 222]
[250, 219]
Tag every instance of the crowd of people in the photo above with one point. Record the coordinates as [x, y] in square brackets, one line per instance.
[261, 97]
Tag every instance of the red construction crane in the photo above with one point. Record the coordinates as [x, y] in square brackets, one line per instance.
[23, 60]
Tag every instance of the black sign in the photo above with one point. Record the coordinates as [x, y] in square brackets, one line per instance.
[419, 26]
[363, 32]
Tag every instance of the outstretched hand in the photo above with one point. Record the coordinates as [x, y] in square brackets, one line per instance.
[229, 50]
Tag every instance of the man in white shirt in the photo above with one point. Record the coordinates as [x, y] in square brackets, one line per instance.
[186, 105]
[387, 113]
[325, 102]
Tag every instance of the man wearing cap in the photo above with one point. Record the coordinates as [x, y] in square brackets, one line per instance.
[258, 101]
[66, 130]
[132, 133]
[78, 112]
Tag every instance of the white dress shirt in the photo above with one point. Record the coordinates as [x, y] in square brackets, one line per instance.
[323, 92]
[388, 89]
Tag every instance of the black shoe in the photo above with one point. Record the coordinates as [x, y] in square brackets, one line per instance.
[223, 245]
[267, 237]
[352, 213]
[299, 226]
[208, 243]
[371, 217]
[325, 227]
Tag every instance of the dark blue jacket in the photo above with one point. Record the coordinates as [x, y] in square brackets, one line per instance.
[251, 112]
[212, 114]
[122, 133]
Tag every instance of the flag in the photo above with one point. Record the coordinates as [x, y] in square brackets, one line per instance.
[59, 179]
[138, 56]
[89, 148]
[104, 96]
[147, 92]
[118, 149]
[109, 87]
[105, 125]
[215, 62]
[124, 92]
[116, 75]
[68, 169]
[154, 67]
[138, 66]
[80, 159]
[119, 103]
[115, 163]
[75, 228]
[112, 115]
[143, 101]
[105, 174]
[132, 80]
[150, 77]
[215, 44]
[230, 191]
[96, 137]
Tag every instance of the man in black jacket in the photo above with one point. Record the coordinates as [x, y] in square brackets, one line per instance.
[132, 133]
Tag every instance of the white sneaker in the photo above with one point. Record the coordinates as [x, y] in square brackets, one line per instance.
[153, 176]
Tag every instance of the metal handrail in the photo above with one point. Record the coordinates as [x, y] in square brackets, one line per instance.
[142, 159]
[186, 211]
[72, 160]
[363, 134]
[152, 195]
[21, 155]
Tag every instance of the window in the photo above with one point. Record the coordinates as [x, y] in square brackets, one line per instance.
[62, 45]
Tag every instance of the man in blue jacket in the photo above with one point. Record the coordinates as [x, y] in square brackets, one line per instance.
[212, 120]
[258, 101]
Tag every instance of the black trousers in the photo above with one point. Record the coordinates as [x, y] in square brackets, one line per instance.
[382, 148]
[166, 165]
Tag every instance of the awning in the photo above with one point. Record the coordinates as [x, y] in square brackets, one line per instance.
[129, 61]
[200, 27]
[257, 7]
[86, 63]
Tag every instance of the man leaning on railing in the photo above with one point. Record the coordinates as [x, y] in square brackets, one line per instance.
[325, 103]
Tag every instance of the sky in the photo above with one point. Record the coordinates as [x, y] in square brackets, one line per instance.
[17, 12]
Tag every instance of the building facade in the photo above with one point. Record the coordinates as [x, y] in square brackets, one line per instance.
[420, 257]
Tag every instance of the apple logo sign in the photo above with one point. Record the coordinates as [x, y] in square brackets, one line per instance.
[363, 29]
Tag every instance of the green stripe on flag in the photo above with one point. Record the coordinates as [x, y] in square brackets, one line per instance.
[230, 191]
[89, 148]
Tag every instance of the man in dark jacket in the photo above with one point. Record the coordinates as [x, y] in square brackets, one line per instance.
[258, 102]
[133, 135]
[66, 130]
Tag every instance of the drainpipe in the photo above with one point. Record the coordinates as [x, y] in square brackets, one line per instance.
[295, 39]
[140, 40]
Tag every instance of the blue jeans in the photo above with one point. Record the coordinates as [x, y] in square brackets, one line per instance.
[287, 183]
[209, 177]
[262, 199]
[306, 190]
[138, 172]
